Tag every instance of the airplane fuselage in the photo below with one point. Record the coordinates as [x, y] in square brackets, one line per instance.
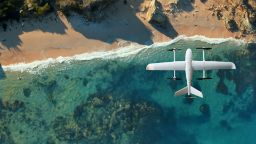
[188, 69]
[189, 66]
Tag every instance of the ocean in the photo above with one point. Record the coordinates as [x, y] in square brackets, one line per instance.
[109, 97]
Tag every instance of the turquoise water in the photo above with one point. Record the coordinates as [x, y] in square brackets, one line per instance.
[118, 101]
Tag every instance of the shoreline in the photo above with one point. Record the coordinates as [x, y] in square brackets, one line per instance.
[37, 65]
[59, 36]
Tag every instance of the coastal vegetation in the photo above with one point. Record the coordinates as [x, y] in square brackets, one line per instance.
[15, 9]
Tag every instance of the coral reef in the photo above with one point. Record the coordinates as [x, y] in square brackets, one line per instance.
[103, 119]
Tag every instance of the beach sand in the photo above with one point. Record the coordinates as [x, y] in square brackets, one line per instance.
[56, 35]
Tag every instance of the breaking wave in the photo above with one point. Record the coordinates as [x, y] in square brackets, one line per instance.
[120, 52]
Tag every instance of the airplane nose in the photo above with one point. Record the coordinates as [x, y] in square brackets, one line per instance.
[149, 67]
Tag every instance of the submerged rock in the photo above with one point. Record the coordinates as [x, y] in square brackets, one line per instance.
[26, 92]
[205, 110]
[66, 76]
[85, 82]
[225, 124]
[5, 135]
[222, 88]
[14, 105]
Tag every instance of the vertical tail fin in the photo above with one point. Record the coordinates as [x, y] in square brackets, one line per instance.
[193, 90]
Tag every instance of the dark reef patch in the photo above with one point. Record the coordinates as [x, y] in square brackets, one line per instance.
[66, 76]
[225, 124]
[205, 110]
[106, 118]
[26, 92]
[227, 107]
[5, 135]
[244, 79]
[13, 106]
[222, 88]
[66, 130]
[48, 85]
[85, 82]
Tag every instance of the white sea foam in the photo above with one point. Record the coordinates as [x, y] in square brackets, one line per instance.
[120, 52]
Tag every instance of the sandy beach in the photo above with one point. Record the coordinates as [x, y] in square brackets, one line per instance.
[57, 35]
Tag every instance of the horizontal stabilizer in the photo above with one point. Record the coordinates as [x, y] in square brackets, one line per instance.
[196, 92]
[185, 91]
[182, 91]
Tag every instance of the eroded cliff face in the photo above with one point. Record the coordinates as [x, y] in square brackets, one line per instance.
[238, 15]
[92, 9]
[13, 9]
[155, 14]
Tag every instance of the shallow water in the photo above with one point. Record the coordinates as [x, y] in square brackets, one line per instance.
[115, 100]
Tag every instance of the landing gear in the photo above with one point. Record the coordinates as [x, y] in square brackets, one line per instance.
[174, 59]
[204, 72]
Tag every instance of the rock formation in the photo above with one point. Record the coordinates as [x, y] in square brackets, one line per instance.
[238, 15]
[155, 14]
[91, 9]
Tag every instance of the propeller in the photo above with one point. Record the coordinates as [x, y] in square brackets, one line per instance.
[174, 78]
[206, 78]
[173, 49]
[204, 48]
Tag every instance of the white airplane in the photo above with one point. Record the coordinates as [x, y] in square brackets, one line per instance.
[189, 66]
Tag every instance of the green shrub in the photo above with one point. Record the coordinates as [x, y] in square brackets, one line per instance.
[41, 10]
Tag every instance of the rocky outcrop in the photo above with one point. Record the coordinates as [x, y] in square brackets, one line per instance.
[231, 25]
[155, 14]
[92, 9]
[238, 15]
[14, 9]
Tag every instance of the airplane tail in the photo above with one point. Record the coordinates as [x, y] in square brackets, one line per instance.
[193, 91]
[196, 92]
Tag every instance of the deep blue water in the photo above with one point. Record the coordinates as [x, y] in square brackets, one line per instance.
[118, 101]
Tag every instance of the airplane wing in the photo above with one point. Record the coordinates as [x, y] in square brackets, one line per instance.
[177, 65]
[212, 65]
